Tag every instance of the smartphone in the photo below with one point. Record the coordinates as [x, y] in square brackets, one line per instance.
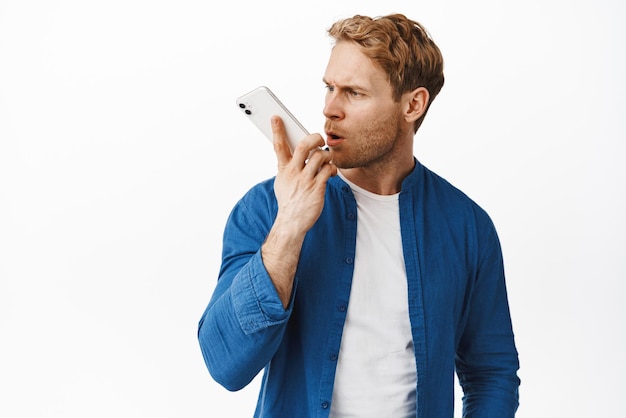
[261, 104]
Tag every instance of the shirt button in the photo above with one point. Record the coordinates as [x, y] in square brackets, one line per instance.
[341, 308]
[349, 260]
[351, 216]
[333, 357]
[325, 405]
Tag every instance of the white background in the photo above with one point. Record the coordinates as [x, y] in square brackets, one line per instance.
[122, 152]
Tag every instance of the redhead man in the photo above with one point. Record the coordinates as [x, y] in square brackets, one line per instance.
[357, 279]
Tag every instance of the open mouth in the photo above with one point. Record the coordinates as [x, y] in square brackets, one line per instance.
[333, 136]
[333, 139]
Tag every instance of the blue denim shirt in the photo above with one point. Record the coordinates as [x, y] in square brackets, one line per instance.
[458, 304]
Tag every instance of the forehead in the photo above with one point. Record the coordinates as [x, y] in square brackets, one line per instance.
[348, 65]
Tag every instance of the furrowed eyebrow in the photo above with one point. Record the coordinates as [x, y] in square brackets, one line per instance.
[344, 87]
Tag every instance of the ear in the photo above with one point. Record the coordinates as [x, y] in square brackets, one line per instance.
[415, 103]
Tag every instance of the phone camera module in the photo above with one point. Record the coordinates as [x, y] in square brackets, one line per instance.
[246, 111]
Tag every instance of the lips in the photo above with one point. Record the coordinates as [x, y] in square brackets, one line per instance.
[333, 138]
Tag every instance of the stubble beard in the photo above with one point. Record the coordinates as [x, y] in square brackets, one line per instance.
[371, 146]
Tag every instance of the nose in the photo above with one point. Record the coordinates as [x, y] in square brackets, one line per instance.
[333, 108]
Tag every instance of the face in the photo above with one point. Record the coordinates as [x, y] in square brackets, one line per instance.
[364, 126]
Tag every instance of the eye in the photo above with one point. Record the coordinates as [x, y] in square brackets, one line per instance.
[330, 88]
[354, 93]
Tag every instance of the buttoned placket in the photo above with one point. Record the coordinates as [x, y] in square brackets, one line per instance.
[341, 304]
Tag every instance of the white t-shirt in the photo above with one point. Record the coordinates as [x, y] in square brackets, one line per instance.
[376, 374]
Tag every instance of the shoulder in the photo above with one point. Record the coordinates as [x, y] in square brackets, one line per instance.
[257, 205]
[261, 194]
[442, 198]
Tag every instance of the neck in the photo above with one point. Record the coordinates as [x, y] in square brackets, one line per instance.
[382, 180]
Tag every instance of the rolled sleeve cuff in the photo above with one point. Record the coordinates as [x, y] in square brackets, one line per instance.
[255, 299]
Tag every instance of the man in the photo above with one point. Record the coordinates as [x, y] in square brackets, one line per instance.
[358, 279]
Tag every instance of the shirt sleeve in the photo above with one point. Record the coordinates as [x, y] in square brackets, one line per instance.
[487, 359]
[243, 324]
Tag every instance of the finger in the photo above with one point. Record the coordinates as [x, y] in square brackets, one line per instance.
[281, 145]
[307, 147]
[317, 159]
[326, 171]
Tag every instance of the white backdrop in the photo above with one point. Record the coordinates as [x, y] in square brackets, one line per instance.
[122, 152]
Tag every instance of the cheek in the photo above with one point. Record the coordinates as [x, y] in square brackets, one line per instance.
[382, 127]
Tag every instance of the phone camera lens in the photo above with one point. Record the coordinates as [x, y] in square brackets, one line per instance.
[248, 112]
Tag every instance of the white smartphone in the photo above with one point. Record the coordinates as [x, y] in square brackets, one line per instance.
[261, 104]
